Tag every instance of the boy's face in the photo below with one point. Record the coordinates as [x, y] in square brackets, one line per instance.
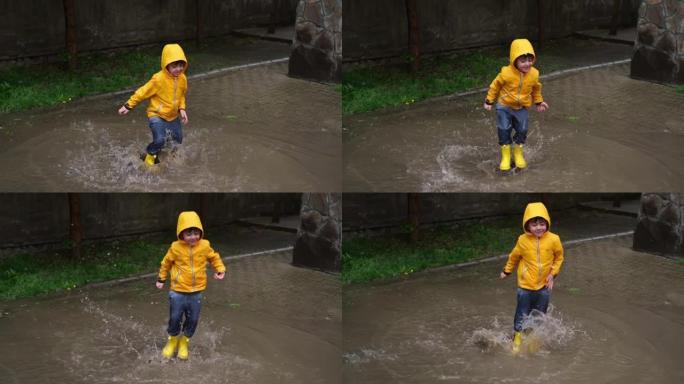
[537, 226]
[176, 68]
[191, 235]
[524, 63]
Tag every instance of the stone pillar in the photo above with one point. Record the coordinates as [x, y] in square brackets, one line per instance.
[319, 236]
[660, 225]
[659, 47]
[317, 46]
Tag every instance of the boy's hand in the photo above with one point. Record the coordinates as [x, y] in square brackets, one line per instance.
[502, 275]
[219, 275]
[541, 107]
[159, 285]
[549, 282]
[123, 110]
[183, 116]
[487, 106]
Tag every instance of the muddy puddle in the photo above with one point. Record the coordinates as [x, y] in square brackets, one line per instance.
[253, 129]
[268, 322]
[617, 316]
[603, 132]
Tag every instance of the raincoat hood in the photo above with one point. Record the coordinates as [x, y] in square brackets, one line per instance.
[536, 210]
[520, 47]
[171, 53]
[188, 219]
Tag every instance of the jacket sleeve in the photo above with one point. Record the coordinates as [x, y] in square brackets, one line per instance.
[537, 92]
[557, 257]
[165, 266]
[143, 93]
[513, 259]
[494, 89]
[215, 259]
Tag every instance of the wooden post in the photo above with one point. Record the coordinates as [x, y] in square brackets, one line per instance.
[540, 24]
[70, 33]
[414, 215]
[413, 34]
[75, 229]
[615, 20]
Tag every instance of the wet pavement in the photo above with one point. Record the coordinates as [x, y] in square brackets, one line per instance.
[267, 322]
[251, 130]
[617, 316]
[604, 132]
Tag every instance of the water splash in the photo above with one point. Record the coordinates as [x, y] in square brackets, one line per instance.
[543, 333]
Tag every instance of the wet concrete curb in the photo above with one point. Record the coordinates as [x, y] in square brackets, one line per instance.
[505, 255]
[549, 76]
[153, 274]
[202, 75]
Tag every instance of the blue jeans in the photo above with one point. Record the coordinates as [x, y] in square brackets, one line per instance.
[509, 119]
[188, 304]
[160, 130]
[528, 301]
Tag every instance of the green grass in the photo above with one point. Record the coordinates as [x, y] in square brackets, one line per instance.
[30, 87]
[681, 261]
[366, 259]
[368, 88]
[680, 88]
[34, 274]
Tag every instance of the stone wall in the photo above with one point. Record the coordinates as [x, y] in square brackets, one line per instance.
[36, 27]
[660, 225]
[317, 46]
[378, 28]
[44, 217]
[659, 48]
[319, 236]
[377, 210]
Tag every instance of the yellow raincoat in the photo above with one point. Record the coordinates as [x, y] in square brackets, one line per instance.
[536, 257]
[513, 88]
[186, 265]
[165, 91]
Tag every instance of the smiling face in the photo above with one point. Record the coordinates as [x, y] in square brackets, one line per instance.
[191, 235]
[176, 68]
[524, 63]
[537, 226]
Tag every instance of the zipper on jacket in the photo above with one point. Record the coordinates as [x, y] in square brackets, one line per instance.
[539, 264]
[175, 85]
[192, 270]
[520, 89]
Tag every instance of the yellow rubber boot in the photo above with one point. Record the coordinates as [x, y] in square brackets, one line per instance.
[505, 157]
[150, 159]
[183, 347]
[518, 156]
[517, 340]
[170, 347]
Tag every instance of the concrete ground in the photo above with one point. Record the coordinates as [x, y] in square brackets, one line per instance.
[266, 322]
[604, 132]
[252, 129]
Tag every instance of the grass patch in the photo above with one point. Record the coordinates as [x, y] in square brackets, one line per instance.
[366, 259]
[27, 275]
[680, 88]
[369, 88]
[30, 87]
[681, 261]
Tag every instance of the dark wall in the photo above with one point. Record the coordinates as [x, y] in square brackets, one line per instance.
[378, 28]
[36, 27]
[44, 218]
[366, 211]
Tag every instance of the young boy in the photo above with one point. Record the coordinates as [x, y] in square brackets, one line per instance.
[166, 91]
[186, 265]
[539, 255]
[514, 90]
